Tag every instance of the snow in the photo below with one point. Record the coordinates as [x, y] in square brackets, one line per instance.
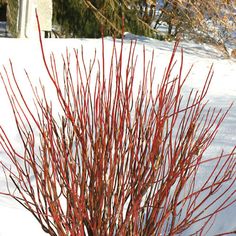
[25, 53]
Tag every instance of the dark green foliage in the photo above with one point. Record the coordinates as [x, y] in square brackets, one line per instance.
[83, 18]
[3, 2]
[73, 18]
[12, 12]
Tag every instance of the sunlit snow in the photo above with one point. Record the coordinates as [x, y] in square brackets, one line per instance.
[25, 54]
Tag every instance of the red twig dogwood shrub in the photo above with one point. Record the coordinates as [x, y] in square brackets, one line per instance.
[115, 163]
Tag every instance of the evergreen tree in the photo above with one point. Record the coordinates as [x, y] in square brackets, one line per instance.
[12, 13]
[85, 18]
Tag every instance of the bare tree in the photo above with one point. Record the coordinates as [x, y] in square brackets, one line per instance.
[205, 21]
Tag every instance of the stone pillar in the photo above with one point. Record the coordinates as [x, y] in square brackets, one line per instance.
[22, 18]
[30, 23]
[44, 8]
[27, 24]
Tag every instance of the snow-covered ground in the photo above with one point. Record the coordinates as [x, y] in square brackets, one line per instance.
[25, 54]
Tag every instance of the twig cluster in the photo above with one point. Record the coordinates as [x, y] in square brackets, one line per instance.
[113, 163]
